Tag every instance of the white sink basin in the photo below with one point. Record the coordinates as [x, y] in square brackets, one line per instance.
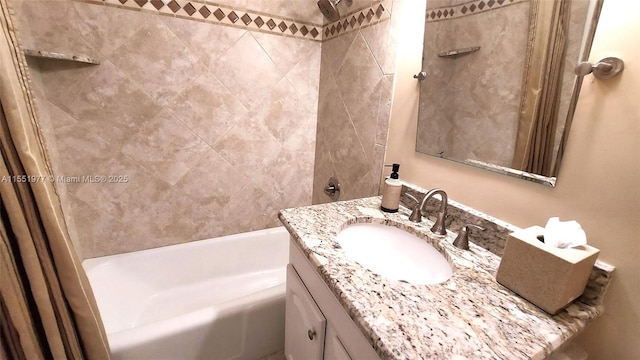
[394, 253]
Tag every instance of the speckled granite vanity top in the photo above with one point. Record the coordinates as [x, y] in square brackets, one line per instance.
[469, 316]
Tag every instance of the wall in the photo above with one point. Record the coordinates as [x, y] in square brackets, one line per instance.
[597, 184]
[213, 126]
[356, 81]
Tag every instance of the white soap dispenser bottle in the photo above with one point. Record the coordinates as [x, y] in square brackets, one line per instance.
[391, 192]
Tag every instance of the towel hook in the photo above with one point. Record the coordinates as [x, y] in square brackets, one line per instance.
[603, 69]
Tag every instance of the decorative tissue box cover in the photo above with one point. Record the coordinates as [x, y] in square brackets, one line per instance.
[549, 277]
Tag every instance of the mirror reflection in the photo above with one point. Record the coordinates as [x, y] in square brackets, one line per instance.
[500, 90]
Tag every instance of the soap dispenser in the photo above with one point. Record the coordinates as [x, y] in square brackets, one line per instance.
[391, 192]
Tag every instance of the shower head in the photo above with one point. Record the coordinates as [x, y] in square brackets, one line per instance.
[329, 9]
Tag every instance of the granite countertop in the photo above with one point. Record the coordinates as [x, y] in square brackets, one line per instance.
[469, 316]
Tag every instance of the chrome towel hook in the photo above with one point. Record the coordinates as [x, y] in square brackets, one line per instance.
[603, 69]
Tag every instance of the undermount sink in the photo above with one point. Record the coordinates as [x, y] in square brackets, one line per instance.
[394, 253]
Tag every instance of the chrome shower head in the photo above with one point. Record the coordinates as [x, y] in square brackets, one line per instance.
[329, 9]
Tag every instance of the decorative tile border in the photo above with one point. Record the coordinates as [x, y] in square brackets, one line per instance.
[359, 19]
[253, 20]
[466, 9]
[222, 15]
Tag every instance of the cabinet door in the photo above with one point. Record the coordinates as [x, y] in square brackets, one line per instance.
[333, 348]
[304, 322]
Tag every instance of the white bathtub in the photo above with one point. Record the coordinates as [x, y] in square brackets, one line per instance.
[220, 298]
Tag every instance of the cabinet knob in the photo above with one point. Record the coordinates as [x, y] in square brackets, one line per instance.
[311, 334]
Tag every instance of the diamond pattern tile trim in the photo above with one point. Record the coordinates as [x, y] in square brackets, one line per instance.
[467, 9]
[359, 19]
[275, 24]
[233, 17]
[157, 4]
[205, 12]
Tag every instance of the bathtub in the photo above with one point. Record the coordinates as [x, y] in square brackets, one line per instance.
[221, 298]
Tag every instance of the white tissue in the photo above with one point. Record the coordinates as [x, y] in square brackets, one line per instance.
[564, 234]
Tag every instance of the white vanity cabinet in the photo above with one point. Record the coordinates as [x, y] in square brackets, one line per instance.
[317, 326]
[305, 324]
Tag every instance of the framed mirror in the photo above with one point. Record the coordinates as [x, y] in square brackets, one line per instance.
[500, 90]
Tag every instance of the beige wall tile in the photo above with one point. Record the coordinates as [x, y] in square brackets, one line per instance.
[164, 146]
[322, 171]
[103, 234]
[212, 182]
[107, 28]
[247, 71]
[59, 118]
[52, 26]
[208, 108]
[108, 103]
[289, 179]
[348, 7]
[305, 76]
[206, 41]
[242, 4]
[285, 52]
[381, 40]
[353, 113]
[304, 10]
[249, 146]
[335, 50]
[60, 77]
[358, 75]
[337, 134]
[287, 117]
[81, 150]
[157, 61]
[174, 215]
[251, 208]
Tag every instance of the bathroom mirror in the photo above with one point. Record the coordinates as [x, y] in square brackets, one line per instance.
[500, 91]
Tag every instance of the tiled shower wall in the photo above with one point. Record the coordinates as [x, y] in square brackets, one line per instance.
[356, 83]
[206, 129]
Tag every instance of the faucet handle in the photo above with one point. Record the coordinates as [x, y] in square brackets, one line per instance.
[416, 214]
[462, 240]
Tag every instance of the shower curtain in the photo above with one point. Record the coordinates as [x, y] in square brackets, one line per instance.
[47, 308]
[542, 85]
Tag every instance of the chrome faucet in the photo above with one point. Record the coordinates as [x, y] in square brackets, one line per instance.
[439, 226]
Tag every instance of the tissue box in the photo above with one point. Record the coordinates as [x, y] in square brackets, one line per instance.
[547, 276]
